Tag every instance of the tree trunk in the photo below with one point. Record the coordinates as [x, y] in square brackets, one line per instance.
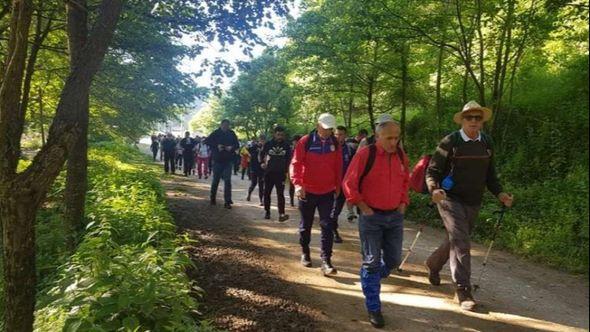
[77, 164]
[21, 194]
[41, 116]
[370, 102]
[405, 50]
[439, 63]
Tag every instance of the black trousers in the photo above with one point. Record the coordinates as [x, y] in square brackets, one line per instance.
[189, 162]
[275, 180]
[257, 179]
[169, 162]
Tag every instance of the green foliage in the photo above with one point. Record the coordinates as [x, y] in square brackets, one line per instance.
[128, 273]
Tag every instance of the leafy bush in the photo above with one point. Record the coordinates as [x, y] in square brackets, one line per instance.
[128, 273]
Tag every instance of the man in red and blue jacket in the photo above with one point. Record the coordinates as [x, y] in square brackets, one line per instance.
[316, 172]
[377, 182]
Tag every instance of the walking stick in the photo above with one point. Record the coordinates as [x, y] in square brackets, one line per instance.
[411, 250]
[485, 260]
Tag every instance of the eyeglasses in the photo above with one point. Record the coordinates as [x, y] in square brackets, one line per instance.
[477, 118]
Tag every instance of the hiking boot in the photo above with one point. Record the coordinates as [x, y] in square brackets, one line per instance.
[337, 238]
[292, 203]
[433, 276]
[213, 201]
[465, 299]
[227, 206]
[376, 319]
[327, 268]
[283, 217]
[305, 260]
[249, 197]
[267, 215]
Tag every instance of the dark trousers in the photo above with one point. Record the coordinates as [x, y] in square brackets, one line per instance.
[154, 153]
[189, 162]
[275, 180]
[222, 171]
[338, 206]
[169, 164]
[292, 192]
[257, 179]
[381, 238]
[179, 159]
[459, 220]
[324, 204]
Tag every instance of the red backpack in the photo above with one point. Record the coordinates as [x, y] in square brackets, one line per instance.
[418, 176]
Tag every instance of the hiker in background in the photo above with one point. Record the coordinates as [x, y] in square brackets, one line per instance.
[256, 171]
[275, 157]
[459, 171]
[237, 159]
[178, 153]
[161, 138]
[224, 144]
[377, 182]
[155, 146]
[363, 133]
[188, 153]
[294, 141]
[245, 160]
[353, 144]
[347, 155]
[169, 150]
[316, 172]
[203, 155]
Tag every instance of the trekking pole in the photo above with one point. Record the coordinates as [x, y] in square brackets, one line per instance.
[411, 250]
[485, 260]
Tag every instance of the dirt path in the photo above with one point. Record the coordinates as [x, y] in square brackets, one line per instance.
[250, 270]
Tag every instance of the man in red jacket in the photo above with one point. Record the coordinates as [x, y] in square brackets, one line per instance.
[316, 172]
[377, 182]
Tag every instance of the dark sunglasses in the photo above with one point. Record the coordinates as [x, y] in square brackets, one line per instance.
[473, 117]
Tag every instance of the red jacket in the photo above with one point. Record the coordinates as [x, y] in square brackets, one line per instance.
[386, 185]
[319, 170]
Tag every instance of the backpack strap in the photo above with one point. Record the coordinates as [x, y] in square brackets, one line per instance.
[370, 161]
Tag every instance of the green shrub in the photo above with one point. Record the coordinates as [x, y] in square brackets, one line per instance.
[128, 273]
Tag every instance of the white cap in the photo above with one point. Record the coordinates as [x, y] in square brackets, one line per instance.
[327, 121]
[384, 118]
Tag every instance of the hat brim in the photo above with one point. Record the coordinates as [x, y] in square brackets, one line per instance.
[326, 126]
[487, 114]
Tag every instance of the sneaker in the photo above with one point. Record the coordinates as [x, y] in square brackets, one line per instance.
[227, 206]
[249, 197]
[337, 238]
[267, 215]
[306, 260]
[327, 268]
[283, 217]
[433, 277]
[376, 319]
[465, 299]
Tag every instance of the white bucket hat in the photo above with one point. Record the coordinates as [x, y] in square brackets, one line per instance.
[327, 121]
[473, 106]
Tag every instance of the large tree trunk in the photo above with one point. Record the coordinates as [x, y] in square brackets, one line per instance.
[370, 110]
[405, 50]
[21, 194]
[77, 164]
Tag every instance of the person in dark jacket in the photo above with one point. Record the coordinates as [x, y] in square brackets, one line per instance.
[459, 171]
[275, 158]
[224, 144]
[256, 171]
[188, 153]
[155, 146]
[294, 141]
[169, 150]
[347, 154]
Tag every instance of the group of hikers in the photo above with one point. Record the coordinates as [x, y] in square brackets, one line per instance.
[327, 171]
[190, 154]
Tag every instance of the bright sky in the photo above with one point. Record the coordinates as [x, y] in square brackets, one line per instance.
[233, 53]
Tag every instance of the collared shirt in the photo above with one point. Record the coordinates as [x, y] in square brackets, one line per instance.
[386, 185]
[467, 138]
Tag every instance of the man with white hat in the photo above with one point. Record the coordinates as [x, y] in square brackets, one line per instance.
[316, 172]
[459, 172]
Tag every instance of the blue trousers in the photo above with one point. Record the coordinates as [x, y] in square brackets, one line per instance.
[381, 248]
[324, 204]
[222, 171]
